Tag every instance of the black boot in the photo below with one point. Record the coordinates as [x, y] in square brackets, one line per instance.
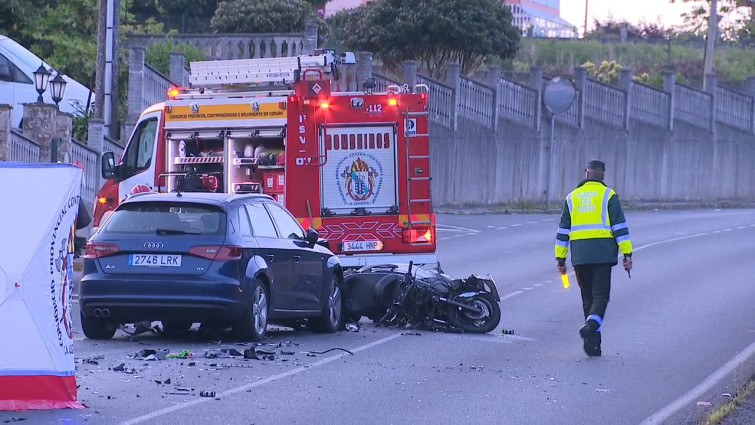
[591, 338]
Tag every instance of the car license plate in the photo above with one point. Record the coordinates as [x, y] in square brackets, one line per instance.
[154, 260]
[349, 246]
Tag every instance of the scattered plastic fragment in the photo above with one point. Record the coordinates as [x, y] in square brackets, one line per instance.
[507, 331]
[183, 354]
[352, 326]
[703, 403]
[207, 393]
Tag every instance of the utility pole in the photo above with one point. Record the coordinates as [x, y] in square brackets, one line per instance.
[710, 44]
[587, 3]
[107, 64]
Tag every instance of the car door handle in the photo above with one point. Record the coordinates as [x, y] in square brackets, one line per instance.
[270, 257]
[297, 258]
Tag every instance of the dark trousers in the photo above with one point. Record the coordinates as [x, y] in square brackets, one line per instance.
[595, 283]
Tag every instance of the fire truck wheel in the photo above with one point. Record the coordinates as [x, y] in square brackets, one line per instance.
[97, 328]
[253, 325]
[331, 318]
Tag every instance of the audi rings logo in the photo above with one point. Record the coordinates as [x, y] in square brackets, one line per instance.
[154, 245]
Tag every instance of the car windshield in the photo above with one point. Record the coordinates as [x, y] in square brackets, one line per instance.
[29, 59]
[166, 218]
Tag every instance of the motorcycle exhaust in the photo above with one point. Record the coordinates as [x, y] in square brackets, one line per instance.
[462, 305]
[105, 312]
[97, 312]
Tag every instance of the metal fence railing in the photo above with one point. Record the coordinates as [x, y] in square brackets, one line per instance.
[441, 101]
[156, 86]
[734, 109]
[517, 103]
[23, 149]
[88, 158]
[692, 106]
[650, 105]
[382, 82]
[605, 103]
[476, 102]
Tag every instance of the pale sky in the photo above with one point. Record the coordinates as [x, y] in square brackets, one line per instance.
[633, 11]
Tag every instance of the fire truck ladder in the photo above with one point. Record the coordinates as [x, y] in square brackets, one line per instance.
[411, 222]
[261, 72]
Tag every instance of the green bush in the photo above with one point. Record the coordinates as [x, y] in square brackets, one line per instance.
[158, 55]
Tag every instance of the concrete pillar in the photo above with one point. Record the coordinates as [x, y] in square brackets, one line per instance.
[136, 58]
[536, 82]
[494, 78]
[711, 84]
[6, 114]
[625, 83]
[64, 132]
[177, 68]
[310, 38]
[410, 73]
[751, 93]
[669, 83]
[580, 80]
[453, 80]
[39, 125]
[96, 141]
[364, 68]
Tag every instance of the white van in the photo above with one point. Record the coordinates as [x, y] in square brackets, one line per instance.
[17, 66]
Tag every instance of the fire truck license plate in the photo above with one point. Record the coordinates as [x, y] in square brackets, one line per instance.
[349, 246]
[154, 260]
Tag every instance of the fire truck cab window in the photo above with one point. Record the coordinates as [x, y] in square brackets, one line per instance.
[288, 227]
[141, 148]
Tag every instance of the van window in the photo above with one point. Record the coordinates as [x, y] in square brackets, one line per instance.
[141, 148]
[9, 72]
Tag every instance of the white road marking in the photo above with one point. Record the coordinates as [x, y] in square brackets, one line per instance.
[670, 240]
[728, 230]
[443, 239]
[447, 228]
[530, 222]
[527, 288]
[490, 227]
[538, 284]
[261, 382]
[516, 225]
[496, 338]
[507, 296]
[741, 227]
[503, 227]
[548, 219]
[705, 386]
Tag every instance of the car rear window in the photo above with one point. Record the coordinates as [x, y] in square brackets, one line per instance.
[167, 217]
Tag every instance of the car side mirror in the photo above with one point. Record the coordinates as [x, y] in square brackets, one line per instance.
[312, 236]
[108, 166]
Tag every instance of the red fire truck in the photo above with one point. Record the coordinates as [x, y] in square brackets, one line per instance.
[355, 166]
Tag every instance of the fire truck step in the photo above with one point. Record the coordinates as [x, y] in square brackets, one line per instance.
[415, 114]
[420, 200]
[419, 156]
[420, 178]
[426, 222]
[417, 135]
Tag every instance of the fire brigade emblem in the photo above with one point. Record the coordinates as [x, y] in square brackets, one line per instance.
[359, 180]
[194, 107]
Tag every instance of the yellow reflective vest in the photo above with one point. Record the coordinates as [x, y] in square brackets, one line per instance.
[593, 225]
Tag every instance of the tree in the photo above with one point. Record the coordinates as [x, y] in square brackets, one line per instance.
[737, 23]
[433, 32]
[261, 16]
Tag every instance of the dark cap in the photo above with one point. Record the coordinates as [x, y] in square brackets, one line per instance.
[596, 165]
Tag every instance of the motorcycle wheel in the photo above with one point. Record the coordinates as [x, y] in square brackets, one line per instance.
[481, 323]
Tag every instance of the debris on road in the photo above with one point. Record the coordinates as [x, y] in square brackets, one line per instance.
[352, 326]
[703, 403]
[329, 350]
[507, 331]
[183, 354]
[411, 333]
[148, 354]
[207, 393]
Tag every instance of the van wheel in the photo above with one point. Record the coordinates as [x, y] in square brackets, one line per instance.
[253, 325]
[97, 328]
[331, 319]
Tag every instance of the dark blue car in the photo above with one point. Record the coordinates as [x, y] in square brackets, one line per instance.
[220, 259]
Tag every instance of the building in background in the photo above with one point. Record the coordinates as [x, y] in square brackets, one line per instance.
[540, 18]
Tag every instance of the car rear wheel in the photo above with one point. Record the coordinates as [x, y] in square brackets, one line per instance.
[331, 318]
[97, 328]
[254, 323]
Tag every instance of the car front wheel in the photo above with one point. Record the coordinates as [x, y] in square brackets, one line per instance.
[97, 328]
[331, 318]
[253, 325]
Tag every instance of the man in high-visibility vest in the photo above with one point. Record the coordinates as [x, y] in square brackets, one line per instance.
[593, 223]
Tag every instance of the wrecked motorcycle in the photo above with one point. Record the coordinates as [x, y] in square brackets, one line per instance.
[409, 296]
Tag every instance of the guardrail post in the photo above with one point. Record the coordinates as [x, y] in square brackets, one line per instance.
[669, 85]
[711, 84]
[453, 79]
[177, 68]
[410, 73]
[494, 80]
[536, 82]
[625, 82]
[6, 124]
[136, 58]
[751, 93]
[39, 125]
[64, 131]
[364, 68]
[580, 80]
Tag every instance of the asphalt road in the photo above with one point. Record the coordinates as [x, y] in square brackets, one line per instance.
[679, 332]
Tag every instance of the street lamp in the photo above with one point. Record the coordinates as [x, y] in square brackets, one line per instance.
[58, 86]
[41, 78]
